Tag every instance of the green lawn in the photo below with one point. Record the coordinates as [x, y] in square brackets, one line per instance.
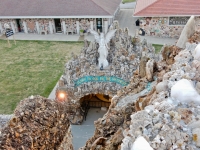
[157, 47]
[128, 1]
[31, 68]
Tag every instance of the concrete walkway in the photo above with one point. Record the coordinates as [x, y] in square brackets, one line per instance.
[57, 37]
[126, 19]
[127, 5]
[81, 133]
[49, 37]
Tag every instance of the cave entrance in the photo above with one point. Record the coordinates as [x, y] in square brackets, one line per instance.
[101, 101]
[93, 106]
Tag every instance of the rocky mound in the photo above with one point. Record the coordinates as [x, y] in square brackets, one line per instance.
[37, 123]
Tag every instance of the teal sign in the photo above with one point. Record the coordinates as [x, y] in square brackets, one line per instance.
[86, 79]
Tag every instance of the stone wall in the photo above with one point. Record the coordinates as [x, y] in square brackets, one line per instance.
[10, 22]
[159, 26]
[43, 25]
[48, 24]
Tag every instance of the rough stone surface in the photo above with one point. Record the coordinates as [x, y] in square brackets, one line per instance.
[37, 123]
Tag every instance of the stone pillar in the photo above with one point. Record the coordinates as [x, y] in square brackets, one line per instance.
[54, 28]
[25, 27]
[106, 26]
[103, 29]
[91, 25]
[109, 21]
[64, 27]
[77, 27]
[37, 27]
[50, 27]
[12, 26]
[1, 29]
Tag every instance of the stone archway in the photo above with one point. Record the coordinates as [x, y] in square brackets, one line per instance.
[94, 91]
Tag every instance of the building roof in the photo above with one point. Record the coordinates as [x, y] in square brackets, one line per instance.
[145, 8]
[57, 8]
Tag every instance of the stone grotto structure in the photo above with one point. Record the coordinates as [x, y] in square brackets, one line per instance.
[83, 77]
[153, 100]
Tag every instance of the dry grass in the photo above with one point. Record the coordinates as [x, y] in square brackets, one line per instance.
[31, 68]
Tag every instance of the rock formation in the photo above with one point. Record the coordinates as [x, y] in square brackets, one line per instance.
[188, 31]
[37, 123]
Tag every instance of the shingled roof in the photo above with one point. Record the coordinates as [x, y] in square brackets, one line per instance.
[57, 8]
[151, 8]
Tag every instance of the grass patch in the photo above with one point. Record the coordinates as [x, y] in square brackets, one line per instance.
[128, 1]
[157, 48]
[31, 68]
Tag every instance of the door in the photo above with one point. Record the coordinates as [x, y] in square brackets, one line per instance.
[58, 25]
[99, 24]
[19, 25]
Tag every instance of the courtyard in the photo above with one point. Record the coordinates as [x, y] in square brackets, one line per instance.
[31, 68]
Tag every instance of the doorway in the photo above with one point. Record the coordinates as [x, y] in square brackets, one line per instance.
[19, 25]
[99, 24]
[58, 25]
[94, 101]
[92, 106]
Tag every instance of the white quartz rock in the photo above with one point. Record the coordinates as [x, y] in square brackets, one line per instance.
[149, 109]
[196, 53]
[185, 92]
[196, 133]
[141, 144]
[162, 86]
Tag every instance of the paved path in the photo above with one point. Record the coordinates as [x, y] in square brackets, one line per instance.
[81, 133]
[49, 37]
[126, 19]
[127, 5]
